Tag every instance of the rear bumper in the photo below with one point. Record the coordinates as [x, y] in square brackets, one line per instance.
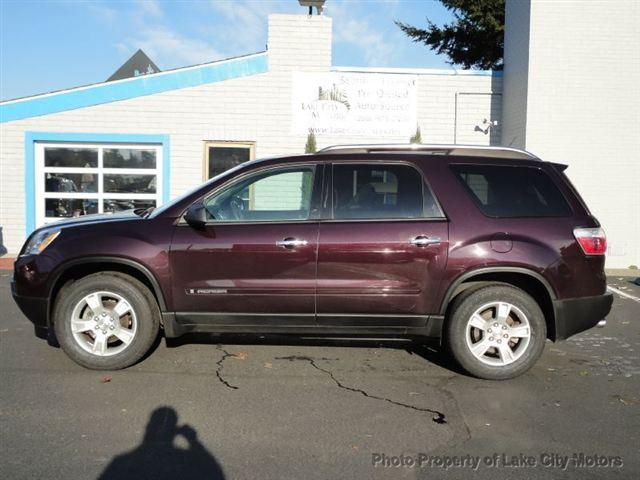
[34, 308]
[575, 315]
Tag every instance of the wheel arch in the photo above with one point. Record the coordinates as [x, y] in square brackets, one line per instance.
[527, 280]
[79, 268]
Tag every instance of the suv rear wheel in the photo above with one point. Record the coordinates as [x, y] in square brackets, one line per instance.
[496, 332]
[106, 321]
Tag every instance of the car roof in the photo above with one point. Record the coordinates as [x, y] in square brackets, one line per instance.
[442, 152]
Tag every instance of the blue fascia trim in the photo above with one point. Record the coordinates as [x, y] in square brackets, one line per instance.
[30, 139]
[134, 87]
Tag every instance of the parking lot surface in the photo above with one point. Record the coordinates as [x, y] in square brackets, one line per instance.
[272, 408]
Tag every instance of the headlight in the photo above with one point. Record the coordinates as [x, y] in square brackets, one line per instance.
[40, 241]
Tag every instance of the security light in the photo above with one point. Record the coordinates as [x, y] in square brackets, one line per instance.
[319, 4]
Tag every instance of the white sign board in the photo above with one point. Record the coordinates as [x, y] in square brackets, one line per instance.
[343, 103]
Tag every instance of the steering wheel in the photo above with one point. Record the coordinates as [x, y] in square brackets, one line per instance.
[236, 205]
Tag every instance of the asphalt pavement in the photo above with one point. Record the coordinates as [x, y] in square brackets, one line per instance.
[275, 408]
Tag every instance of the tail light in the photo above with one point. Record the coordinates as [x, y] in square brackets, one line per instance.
[593, 241]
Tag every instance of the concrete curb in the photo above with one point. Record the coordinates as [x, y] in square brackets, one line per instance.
[6, 263]
[622, 272]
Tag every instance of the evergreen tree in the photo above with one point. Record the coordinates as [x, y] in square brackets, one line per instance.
[474, 39]
[417, 137]
[310, 147]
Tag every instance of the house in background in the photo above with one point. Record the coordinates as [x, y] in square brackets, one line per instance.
[138, 64]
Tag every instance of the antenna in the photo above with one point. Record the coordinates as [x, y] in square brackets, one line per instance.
[319, 4]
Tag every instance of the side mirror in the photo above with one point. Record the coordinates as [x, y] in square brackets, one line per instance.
[196, 215]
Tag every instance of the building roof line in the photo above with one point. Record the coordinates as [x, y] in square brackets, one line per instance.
[419, 71]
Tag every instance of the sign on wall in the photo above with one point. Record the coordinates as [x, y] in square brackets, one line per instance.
[343, 103]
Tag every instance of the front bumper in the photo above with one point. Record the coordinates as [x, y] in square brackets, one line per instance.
[36, 309]
[575, 315]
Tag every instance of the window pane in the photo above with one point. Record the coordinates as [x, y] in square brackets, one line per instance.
[69, 207]
[71, 157]
[512, 191]
[71, 182]
[270, 196]
[128, 158]
[377, 191]
[117, 205]
[222, 159]
[114, 183]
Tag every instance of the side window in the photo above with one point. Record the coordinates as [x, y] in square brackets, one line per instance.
[363, 191]
[275, 195]
[505, 191]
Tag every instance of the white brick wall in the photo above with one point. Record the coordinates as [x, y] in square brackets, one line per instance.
[299, 42]
[474, 114]
[516, 69]
[255, 108]
[583, 104]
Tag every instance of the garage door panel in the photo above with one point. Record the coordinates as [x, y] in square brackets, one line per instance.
[82, 179]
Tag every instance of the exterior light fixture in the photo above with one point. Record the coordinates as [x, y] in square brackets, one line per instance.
[319, 4]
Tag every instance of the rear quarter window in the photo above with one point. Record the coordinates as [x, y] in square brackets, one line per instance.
[510, 191]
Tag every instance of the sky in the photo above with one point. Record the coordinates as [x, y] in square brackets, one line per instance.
[48, 45]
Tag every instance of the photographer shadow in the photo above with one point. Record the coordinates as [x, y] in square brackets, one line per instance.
[158, 457]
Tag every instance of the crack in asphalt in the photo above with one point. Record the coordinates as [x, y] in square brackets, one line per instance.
[219, 363]
[438, 417]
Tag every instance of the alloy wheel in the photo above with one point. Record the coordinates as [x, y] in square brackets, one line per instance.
[103, 323]
[498, 333]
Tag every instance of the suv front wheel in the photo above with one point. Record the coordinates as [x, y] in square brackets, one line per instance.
[496, 332]
[106, 321]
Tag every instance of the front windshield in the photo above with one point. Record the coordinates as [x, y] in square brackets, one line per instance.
[164, 207]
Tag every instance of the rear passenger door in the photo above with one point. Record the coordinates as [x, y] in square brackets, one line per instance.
[382, 246]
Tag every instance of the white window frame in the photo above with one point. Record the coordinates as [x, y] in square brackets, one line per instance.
[100, 171]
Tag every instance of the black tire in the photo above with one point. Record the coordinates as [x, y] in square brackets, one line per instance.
[134, 292]
[460, 312]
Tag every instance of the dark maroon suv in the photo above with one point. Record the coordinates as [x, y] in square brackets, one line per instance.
[488, 248]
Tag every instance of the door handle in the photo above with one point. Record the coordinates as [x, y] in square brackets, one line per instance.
[423, 241]
[291, 242]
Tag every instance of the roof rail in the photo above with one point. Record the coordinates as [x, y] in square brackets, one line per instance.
[434, 149]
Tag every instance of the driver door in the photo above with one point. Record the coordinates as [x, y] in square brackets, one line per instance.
[255, 259]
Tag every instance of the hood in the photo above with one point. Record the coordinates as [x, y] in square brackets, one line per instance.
[95, 218]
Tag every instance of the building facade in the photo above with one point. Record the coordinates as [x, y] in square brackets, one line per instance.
[572, 96]
[143, 140]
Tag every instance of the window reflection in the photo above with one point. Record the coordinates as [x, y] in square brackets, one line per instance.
[70, 207]
[278, 195]
[117, 205]
[71, 157]
[222, 159]
[74, 182]
[128, 158]
[372, 191]
[71, 182]
[130, 183]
